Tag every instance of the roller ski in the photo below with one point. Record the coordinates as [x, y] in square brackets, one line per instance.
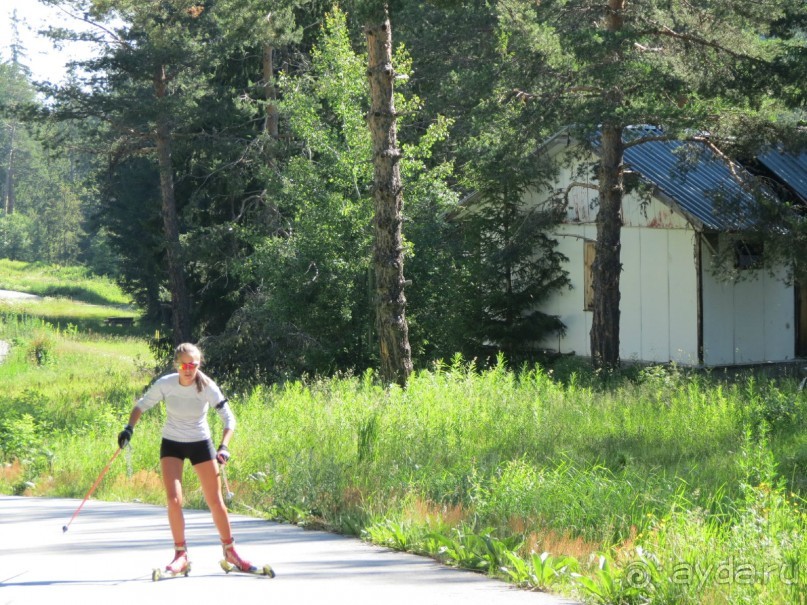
[180, 566]
[232, 562]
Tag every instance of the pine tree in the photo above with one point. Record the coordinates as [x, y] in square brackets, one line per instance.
[145, 89]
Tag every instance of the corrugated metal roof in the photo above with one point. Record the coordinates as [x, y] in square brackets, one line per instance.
[790, 168]
[690, 176]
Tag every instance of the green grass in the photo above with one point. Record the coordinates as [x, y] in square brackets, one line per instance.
[65, 282]
[65, 314]
[660, 486]
[66, 379]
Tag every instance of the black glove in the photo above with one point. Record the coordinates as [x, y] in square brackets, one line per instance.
[223, 455]
[125, 436]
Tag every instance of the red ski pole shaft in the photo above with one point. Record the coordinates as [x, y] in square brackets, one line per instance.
[94, 485]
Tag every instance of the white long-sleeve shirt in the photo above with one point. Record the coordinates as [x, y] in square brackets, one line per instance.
[186, 408]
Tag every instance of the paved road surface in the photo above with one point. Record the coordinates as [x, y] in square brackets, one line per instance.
[11, 294]
[4, 346]
[107, 555]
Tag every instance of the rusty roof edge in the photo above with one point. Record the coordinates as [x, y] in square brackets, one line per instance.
[697, 224]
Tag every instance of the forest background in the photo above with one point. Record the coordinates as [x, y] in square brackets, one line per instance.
[264, 110]
[215, 159]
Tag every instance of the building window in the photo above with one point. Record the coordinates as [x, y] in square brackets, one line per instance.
[747, 255]
[588, 274]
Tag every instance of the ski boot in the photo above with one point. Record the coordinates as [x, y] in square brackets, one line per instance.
[233, 562]
[180, 566]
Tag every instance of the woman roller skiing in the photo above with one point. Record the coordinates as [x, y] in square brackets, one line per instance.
[188, 393]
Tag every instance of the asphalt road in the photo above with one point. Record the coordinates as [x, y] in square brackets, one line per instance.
[107, 555]
[12, 295]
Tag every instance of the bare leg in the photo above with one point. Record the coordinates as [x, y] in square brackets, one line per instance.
[172, 478]
[210, 480]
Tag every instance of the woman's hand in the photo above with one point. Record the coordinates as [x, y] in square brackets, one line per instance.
[125, 436]
[223, 455]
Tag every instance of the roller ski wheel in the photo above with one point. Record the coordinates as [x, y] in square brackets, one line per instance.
[233, 562]
[180, 566]
[252, 570]
[158, 574]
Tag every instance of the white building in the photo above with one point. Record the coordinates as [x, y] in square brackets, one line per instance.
[673, 307]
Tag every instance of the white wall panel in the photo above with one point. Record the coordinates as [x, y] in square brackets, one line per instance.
[630, 302]
[655, 295]
[683, 289]
[749, 314]
[718, 317]
[747, 321]
[566, 303]
[780, 315]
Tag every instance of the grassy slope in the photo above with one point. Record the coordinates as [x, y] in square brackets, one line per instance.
[67, 282]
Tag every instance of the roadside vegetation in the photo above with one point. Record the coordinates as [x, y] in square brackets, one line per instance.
[654, 486]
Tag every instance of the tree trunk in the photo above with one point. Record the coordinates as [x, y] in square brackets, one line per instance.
[271, 120]
[180, 305]
[393, 332]
[9, 200]
[607, 265]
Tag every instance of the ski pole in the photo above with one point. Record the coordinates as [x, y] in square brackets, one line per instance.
[92, 489]
[228, 495]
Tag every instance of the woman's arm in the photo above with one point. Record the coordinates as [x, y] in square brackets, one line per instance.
[134, 417]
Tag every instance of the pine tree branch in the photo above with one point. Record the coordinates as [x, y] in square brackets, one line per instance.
[738, 178]
[664, 31]
[524, 96]
[574, 184]
[86, 19]
[641, 141]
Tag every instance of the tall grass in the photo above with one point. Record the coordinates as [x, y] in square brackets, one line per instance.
[670, 474]
[664, 487]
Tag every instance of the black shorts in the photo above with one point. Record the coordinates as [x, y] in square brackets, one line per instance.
[195, 451]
